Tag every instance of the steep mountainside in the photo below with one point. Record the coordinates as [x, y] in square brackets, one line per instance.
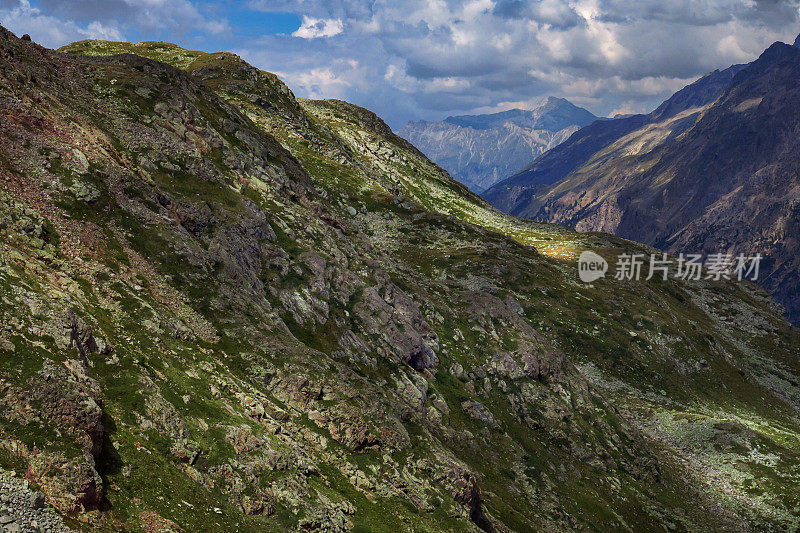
[514, 194]
[226, 309]
[480, 150]
[724, 177]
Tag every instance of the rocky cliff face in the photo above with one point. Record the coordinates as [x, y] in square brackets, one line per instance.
[481, 150]
[719, 177]
[224, 308]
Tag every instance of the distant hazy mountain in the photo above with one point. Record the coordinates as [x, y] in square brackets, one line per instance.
[481, 150]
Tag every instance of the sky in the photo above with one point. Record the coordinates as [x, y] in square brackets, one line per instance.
[412, 60]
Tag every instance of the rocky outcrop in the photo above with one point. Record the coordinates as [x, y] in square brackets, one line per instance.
[68, 402]
[387, 312]
[22, 508]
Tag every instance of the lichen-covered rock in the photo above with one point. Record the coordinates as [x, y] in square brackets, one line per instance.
[477, 411]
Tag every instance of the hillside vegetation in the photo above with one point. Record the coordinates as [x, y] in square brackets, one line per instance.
[225, 308]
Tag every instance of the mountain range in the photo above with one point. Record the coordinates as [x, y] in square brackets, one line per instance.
[225, 308]
[713, 170]
[480, 150]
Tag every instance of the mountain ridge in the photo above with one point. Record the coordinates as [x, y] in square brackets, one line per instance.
[676, 184]
[556, 163]
[548, 114]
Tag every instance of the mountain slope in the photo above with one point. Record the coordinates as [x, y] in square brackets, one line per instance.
[480, 150]
[720, 179]
[514, 194]
[227, 309]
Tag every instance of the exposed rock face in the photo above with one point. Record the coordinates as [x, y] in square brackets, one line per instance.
[263, 313]
[22, 508]
[481, 150]
[67, 401]
[721, 177]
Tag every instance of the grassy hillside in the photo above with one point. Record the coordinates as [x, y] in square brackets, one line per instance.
[228, 309]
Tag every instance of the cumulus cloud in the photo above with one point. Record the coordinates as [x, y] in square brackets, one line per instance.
[312, 28]
[430, 58]
[177, 16]
[320, 83]
[611, 55]
[20, 17]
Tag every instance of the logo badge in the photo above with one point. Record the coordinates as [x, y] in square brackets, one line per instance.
[591, 267]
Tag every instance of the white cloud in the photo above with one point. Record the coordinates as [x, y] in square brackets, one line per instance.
[331, 81]
[320, 83]
[312, 28]
[178, 17]
[432, 58]
[96, 30]
[51, 31]
[628, 108]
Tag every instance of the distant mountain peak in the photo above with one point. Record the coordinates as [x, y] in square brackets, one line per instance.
[554, 100]
[797, 41]
[551, 113]
[480, 150]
